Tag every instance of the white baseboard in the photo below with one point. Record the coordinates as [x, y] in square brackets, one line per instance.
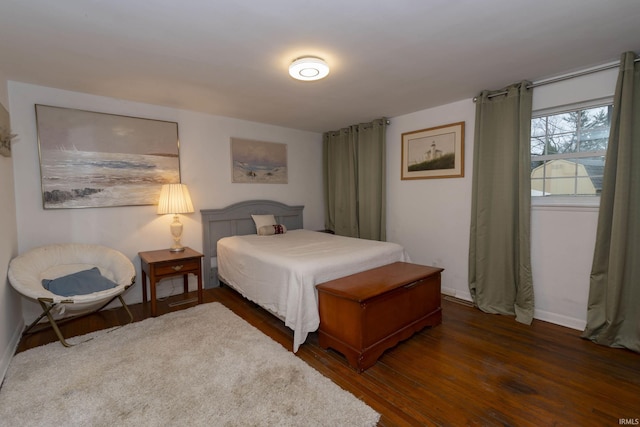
[545, 316]
[448, 291]
[559, 319]
[452, 292]
[10, 349]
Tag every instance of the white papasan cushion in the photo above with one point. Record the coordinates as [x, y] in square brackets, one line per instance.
[27, 271]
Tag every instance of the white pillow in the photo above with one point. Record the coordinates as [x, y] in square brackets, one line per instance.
[270, 230]
[262, 220]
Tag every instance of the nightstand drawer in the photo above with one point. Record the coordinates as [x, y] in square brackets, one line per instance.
[176, 267]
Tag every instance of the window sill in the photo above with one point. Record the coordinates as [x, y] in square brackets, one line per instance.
[566, 203]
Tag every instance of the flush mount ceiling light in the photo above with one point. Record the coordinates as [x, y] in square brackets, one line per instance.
[309, 68]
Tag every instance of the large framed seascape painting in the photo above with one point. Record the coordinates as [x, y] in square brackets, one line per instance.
[436, 152]
[258, 162]
[90, 159]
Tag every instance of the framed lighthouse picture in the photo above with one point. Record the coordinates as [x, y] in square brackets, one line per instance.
[436, 152]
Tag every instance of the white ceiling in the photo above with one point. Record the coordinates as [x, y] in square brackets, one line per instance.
[230, 58]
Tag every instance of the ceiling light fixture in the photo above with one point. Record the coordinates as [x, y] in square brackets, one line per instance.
[309, 68]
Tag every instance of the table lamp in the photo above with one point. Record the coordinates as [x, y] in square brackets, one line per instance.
[175, 199]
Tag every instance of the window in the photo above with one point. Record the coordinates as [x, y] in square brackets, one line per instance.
[568, 151]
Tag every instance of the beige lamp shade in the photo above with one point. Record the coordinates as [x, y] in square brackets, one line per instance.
[175, 199]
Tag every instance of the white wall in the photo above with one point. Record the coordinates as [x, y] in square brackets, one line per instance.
[205, 168]
[11, 323]
[431, 217]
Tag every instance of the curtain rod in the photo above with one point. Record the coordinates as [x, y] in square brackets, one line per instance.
[562, 78]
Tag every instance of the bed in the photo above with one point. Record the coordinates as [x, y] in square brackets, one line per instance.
[279, 272]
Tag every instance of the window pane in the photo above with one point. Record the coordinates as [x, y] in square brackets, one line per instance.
[537, 187]
[562, 140]
[537, 169]
[598, 116]
[539, 126]
[588, 166]
[560, 186]
[560, 168]
[565, 143]
[592, 169]
[537, 146]
[595, 124]
[594, 140]
[562, 123]
[535, 164]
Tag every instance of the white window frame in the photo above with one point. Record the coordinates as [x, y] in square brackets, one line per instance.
[566, 201]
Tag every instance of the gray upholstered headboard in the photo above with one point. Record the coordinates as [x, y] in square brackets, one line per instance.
[236, 220]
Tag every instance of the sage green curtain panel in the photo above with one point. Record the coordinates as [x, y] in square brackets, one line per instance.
[354, 162]
[500, 278]
[339, 173]
[613, 314]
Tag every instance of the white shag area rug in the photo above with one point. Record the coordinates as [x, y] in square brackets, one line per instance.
[203, 366]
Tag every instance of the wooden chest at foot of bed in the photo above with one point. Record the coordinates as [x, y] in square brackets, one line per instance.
[364, 314]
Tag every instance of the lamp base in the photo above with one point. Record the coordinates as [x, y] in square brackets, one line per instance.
[176, 232]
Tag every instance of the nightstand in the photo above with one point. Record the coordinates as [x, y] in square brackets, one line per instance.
[161, 264]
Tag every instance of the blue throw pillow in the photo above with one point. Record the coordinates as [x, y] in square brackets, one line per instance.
[80, 283]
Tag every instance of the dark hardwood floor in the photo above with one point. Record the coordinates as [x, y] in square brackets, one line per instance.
[474, 369]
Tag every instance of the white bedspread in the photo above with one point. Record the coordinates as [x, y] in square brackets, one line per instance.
[280, 272]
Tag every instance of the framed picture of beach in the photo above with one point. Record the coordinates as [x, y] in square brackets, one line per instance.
[258, 162]
[91, 160]
[436, 152]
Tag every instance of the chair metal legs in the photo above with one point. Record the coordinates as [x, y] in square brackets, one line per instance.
[47, 306]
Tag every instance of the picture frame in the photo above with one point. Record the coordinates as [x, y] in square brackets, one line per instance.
[258, 162]
[436, 152]
[90, 159]
[5, 132]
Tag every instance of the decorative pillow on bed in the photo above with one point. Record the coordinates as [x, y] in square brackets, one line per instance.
[80, 283]
[262, 220]
[270, 230]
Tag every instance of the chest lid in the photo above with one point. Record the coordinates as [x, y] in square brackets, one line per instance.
[377, 281]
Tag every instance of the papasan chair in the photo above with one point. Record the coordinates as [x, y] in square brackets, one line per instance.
[70, 270]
